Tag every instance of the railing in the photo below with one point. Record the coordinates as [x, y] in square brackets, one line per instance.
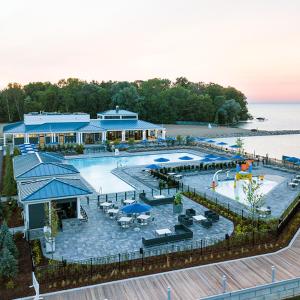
[150, 258]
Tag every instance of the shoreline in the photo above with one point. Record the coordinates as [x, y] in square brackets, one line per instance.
[221, 131]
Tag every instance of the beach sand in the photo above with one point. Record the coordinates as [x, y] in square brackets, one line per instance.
[204, 131]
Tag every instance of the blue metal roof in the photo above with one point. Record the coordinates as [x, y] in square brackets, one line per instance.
[40, 164]
[92, 126]
[119, 112]
[52, 189]
[49, 169]
[127, 125]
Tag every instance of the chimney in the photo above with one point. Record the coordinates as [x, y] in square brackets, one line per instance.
[117, 108]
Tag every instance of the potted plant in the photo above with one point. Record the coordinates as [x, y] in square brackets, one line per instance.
[177, 204]
[51, 227]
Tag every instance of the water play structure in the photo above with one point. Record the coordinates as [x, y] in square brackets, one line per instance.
[243, 172]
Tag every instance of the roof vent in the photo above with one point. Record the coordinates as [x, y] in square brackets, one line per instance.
[117, 108]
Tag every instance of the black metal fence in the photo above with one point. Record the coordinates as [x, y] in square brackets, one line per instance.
[144, 260]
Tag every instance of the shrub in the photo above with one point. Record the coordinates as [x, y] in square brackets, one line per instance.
[178, 199]
[7, 241]
[16, 151]
[79, 149]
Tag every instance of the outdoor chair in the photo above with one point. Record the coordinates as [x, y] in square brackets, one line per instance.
[206, 223]
[190, 212]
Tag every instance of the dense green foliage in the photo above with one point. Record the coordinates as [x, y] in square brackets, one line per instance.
[8, 254]
[9, 183]
[156, 100]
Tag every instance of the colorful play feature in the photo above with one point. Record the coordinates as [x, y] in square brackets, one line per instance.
[244, 171]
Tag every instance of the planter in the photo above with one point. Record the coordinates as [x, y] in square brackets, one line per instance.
[49, 241]
[50, 245]
[177, 209]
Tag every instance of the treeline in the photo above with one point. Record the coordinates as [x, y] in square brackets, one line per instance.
[156, 100]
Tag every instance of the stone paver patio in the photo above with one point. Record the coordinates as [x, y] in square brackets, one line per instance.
[102, 236]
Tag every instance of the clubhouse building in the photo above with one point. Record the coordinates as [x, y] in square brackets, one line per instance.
[45, 128]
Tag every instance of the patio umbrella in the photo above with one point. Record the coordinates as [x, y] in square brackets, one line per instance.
[222, 158]
[210, 141]
[201, 139]
[153, 167]
[235, 146]
[206, 160]
[211, 156]
[136, 208]
[186, 157]
[222, 144]
[161, 159]
[237, 157]
[160, 140]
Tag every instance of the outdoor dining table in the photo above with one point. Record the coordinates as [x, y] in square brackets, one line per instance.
[144, 219]
[199, 218]
[112, 212]
[124, 221]
[159, 197]
[129, 201]
[164, 231]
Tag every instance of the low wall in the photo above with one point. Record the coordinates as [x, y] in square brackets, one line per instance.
[272, 291]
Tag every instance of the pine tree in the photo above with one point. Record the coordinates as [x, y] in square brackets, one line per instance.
[8, 264]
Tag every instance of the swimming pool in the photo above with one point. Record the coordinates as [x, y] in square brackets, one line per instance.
[97, 170]
[226, 188]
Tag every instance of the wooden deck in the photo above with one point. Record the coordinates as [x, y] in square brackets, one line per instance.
[196, 282]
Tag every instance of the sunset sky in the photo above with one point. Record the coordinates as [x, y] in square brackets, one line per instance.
[252, 45]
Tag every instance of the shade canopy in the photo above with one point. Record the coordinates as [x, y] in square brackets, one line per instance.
[235, 146]
[161, 159]
[185, 158]
[222, 144]
[223, 158]
[293, 159]
[153, 167]
[201, 139]
[210, 141]
[206, 160]
[237, 157]
[211, 156]
[136, 208]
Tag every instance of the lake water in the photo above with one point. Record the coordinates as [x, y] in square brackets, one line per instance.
[278, 117]
[275, 146]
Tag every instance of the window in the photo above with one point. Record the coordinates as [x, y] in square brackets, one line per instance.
[129, 117]
[112, 117]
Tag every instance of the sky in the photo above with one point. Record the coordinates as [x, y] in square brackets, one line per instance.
[251, 45]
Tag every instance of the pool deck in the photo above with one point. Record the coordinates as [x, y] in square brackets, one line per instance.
[197, 282]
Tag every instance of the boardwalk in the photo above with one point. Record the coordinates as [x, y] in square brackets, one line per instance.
[197, 282]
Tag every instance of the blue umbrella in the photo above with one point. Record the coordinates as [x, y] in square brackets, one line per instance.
[161, 159]
[185, 157]
[235, 146]
[211, 156]
[136, 208]
[200, 139]
[211, 141]
[237, 157]
[222, 144]
[170, 138]
[144, 141]
[223, 158]
[153, 167]
[206, 160]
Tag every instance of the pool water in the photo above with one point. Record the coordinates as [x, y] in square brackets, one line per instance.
[226, 188]
[97, 170]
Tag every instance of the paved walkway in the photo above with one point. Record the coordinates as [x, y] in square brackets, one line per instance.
[197, 282]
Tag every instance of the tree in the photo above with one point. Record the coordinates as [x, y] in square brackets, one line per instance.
[240, 143]
[9, 183]
[8, 264]
[254, 199]
[51, 218]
